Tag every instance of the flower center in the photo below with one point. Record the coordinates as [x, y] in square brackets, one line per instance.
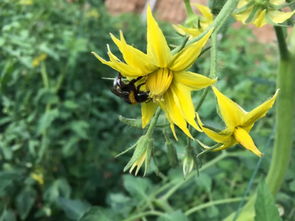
[158, 82]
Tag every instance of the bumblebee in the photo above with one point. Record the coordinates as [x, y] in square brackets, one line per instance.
[129, 92]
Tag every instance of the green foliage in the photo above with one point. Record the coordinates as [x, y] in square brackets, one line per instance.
[60, 131]
[265, 208]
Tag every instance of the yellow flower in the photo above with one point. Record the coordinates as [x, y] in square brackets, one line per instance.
[238, 123]
[201, 23]
[38, 176]
[164, 75]
[37, 60]
[261, 12]
[92, 13]
[25, 2]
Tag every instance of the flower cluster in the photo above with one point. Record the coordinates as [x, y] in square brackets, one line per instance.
[162, 78]
[261, 12]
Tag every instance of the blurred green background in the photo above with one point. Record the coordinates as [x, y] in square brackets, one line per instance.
[59, 127]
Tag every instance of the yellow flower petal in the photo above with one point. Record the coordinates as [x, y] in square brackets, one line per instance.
[246, 140]
[217, 137]
[173, 130]
[259, 111]
[138, 163]
[192, 80]
[205, 11]
[147, 112]
[224, 136]
[182, 96]
[260, 20]
[242, 3]
[187, 31]
[225, 146]
[186, 57]
[133, 56]
[121, 67]
[230, 111]
[277, 2]
[279, 17]
[157, 47]
[244, 15]
[173, 113]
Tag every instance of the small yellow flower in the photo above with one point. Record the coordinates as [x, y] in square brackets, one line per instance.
[164, 75]
[200, 24]
[37, 60]
[92, 13]
[25, 2]
[38, 176]
[238, 123]
[261, 12]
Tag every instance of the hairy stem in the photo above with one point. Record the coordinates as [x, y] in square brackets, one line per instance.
[284, 116]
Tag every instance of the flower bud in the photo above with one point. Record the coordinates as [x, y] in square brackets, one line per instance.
[142, 154]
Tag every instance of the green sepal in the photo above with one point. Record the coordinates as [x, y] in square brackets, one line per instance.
[130, 121]
[126, 150]
[144, 144]
[252, 14]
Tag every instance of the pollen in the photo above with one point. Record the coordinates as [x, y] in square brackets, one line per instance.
[159, 82]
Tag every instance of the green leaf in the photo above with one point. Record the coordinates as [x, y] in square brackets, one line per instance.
[25, 201]
[59, 188]
[74, 209]
[204, 181]
[80, 128]
[46, 120]
[173, 216]
[265, 208]
[136, 186]
[97, 213]
[121, 203]
[8, 215]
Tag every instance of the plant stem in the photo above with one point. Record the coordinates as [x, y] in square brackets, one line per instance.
[284, 126]
[153, 123]
[191, 175]
[188, 8]
[212, 203]
[283, 49]
[284, 116]
[220, 19]
[213, 66]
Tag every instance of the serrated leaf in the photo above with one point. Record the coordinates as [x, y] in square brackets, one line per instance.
[265, 208]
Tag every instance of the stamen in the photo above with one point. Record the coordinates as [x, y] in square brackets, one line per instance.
[158, 83]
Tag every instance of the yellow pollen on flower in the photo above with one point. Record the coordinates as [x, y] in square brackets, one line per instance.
[158, 82]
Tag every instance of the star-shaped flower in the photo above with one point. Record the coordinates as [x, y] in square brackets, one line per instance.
[164, 75]
[238, 123]
[261, 12]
